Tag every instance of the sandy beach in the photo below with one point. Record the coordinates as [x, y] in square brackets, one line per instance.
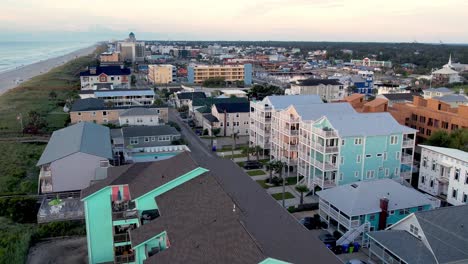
[13, 78]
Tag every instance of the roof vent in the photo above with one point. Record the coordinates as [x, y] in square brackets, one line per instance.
[354, 185]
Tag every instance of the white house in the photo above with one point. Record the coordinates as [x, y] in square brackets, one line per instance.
[327, 89]
[444, 174]
[139, 116]
[229, 117]
[108, 77]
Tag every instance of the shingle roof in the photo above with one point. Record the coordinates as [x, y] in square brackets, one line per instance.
[313, 82]
[141, 131]
[108, 70]
[316, 111]
[139, 111]
[83, 137]
[188, 95]
[446, 231]
[363, 197]
[400, 96]
[88, 104]
[202, 226]
[144, 176]
[452, 98]
[440, 90]
[404, 245]
[233, 107]
[209, 101]
[454, 153]
[283, 101]
[210, 117]
[366, 124]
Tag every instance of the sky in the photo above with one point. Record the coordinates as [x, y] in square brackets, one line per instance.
[288, 20]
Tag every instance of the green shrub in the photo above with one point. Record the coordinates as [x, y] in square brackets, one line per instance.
[20, 210]
[59, 229]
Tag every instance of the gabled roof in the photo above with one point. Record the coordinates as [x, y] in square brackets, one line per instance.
[280, 102]
[190, 95]
[454, 153]
[362, 198]
[316, 111]
[144, 176]
[366, 124]
[210, 117]
[445, 70]
[404, 245]
[124, 92]
[233, 107]
[83, 137]
[314, 82]
[108, 70]
[141, 131]
[139, 111]
[209, 101]
[88, 104]
[446, 231]
[449, 98]
[202, 225]
[400, 96]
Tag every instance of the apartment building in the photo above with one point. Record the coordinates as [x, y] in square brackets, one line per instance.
[343, 147]
[372, 63]
[231, 118]
[139, 116]
[261, 113]
[429, 115]
[122, 97]
[444, 174]
[107, 76]
[286, 124]
[109, 58]
[328, 89]
[231, 73]
[97, 111]
[161, 73]
[358, 208]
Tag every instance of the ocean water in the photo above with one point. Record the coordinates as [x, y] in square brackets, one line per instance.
[18, 54]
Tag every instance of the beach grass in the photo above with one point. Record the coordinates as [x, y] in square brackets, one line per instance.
[33, 95]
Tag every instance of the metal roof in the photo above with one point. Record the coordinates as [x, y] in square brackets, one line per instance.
[452, 98]
[451, 152]
[83, 137]
[316, 111]
[129, 92]
[141, 131]
[139, 111]
[283, 101]
[363, 198]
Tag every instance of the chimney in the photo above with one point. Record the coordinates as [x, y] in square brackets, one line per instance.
[92, 70]
[383, 214]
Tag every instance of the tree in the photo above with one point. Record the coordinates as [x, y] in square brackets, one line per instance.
[279, 169]
[133, 80]
[302, 189]
[214, 82]
[247, 151]
[261, 91]
[109, 104]
[257, 150]
[52, 95]
[458, 139]
[35, 123]
[159, 102]
[215, 131]
[271, 166]
[183, 109]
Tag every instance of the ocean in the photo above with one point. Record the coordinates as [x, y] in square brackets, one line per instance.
[18, 54]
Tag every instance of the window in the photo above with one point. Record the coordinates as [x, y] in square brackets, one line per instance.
[397, 171]
[414, 117]
[421, 130]
[94, 113]
[342, 161]
[358, 159]
[392, 212]
[403, 211]
[387, 172]
[358, 141]
[79, 113]
[414, 230]
[342, 142]
[104, 113]
[431, 183]
[465, 198]
[457, 174]
[397, 155]
[424, 164]
[434, 165]
[147, 139]
[466, 177]
[454, 127]
[227, 123]
[164, 138]
[428, 132]
[423, 179]
[370, 174]
[420, 208]
[126, 120]
[133, 140]
[393, 140]
[372, 217]
[368, 155]
[153, 138]
[356, 174]
[454, 193]
[379, 155]
[422, 119]
[385, 156]
[445, 125]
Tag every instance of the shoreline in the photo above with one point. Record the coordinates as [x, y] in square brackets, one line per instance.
[12, 78]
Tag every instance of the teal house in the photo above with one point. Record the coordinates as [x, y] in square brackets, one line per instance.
[347, 147]
[357, 208]
[170, 211]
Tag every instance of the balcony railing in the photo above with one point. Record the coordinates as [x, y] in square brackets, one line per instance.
[406, 159]
[324, 166]
[408, 143]
[131, 214]
[324, 184]
[324, 133]
[124, 259]
[328, 210]
[405, 174]
[324, 149]
[119, 238]
[45, 174]
[46, 188]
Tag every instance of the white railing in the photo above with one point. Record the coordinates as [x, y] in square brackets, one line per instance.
[324, 166]
[45, 174]
[407, 143]
[323, 133]
[406, 159]
[405, 174]
[324, 149]
[46, 188]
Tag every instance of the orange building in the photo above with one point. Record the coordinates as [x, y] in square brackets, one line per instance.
[430, 115]
[109, 57]
[360, 105]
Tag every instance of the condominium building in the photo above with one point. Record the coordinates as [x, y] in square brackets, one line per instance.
[261, 112]
[161, 73]
[372, 63]
[328, 89]
[430, 115]
[343, 147]
[122, 97]
[109, 57]
[230, 117]
[108, 76]
[444, 174]
[231, 73]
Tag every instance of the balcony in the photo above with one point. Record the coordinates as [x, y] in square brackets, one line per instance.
[122, 210]
[120, 238]
[408, 143]
[130, 214]
[324, 133]
[324, 166]
[124, 259]
[324, 184]
[326, 209]
[407, 159]
[324, 149]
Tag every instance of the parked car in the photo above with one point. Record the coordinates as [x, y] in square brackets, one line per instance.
[356, 261]
[310, 222]
[250, 165]
[328, 239]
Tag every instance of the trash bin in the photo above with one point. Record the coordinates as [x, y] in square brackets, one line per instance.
[345, 248]
[356, 247]
[213, 148]
[351, 249]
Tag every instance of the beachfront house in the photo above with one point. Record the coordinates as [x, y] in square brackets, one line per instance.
[122, 97]
[139, 116]
[72, 156]
[108, 77]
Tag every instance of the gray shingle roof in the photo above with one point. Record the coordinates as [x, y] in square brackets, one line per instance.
[440, 90]
[283, 101]
[190, 95]
[210, 117]
[83, 137]
[366, 124]
[316, 111]
[446, 230]
[405, 246]
[452, 98]
[233, 107]
[88, 104]
[314, 82]
[365, 197]
[209, 101]
[202, 226]
[141, 131]
[399, 96]
[139, 111]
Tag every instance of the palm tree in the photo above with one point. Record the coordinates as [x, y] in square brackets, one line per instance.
[257, 150]
[271, 166]
[246, 151]
[302, 189]
[279, 169]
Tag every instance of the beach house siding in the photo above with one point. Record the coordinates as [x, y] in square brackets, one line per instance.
[74, 172]
[150, 141]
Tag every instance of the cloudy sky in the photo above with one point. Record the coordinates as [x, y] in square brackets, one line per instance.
[306, 20]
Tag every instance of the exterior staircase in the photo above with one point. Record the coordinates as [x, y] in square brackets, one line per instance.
[356, 234]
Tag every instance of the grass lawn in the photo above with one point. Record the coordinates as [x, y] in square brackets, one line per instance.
[14, 241]
[227, 147]
[33, 95]
[241, 164]
[18, 171]
[256, 172]
[279, 196]
[293, 180]
[234, 156]
[263, 184]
